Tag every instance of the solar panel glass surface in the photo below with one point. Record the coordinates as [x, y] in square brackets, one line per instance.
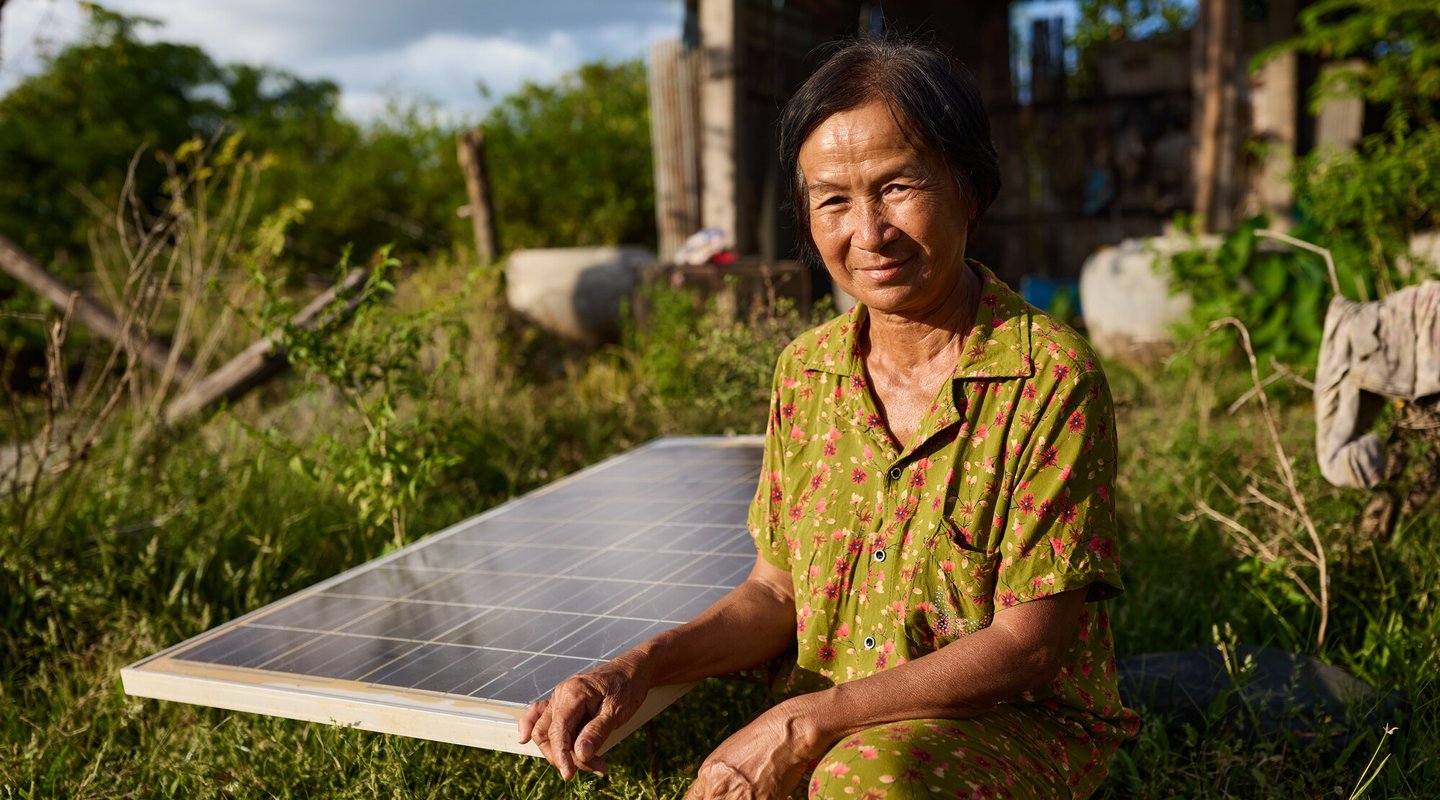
[453, 636]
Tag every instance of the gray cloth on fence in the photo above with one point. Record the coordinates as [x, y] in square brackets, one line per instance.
[1372, 351]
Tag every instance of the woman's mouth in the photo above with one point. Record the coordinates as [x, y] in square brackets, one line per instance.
[882, 273]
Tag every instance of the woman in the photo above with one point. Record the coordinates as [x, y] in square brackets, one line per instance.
[934, 520]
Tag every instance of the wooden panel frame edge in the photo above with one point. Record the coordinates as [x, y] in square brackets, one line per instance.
[473, 723]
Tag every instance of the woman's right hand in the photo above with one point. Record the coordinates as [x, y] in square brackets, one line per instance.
[584, 709]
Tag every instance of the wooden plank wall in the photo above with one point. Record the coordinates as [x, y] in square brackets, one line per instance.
[675, 137]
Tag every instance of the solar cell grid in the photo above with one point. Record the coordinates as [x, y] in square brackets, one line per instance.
[489, 615]
[388, 582]
[341, 656]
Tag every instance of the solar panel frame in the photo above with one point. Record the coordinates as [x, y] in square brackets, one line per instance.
[341, 645]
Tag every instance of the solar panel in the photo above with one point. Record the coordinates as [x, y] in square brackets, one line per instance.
[452, 637]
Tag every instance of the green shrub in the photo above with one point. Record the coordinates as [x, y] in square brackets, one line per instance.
[706, 366]
[1278, 292]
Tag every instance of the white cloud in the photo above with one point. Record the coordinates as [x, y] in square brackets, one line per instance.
[379, 52]
[364, 105]
[446, 67]
[30, 31]
[629, 40]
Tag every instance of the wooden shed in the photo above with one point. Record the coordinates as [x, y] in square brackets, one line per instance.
[1162, 132]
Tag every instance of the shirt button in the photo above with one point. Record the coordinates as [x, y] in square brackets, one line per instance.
[869, 642]
[879, 555]
[894, 473]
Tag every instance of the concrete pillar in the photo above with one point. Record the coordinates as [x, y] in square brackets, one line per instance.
[719, 111]
[1274, 115]
[1341, 120]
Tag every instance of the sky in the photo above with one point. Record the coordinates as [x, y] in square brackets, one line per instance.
[376, 50]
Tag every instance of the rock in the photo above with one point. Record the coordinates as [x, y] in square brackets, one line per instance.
[1424, 252]
[574, 292]
[1259, 691]
[1129, 306]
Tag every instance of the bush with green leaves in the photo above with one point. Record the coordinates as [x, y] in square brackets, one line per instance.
[1365, 205]
[1278, 292]
[570, 163]
[706, 365]
[375, 360]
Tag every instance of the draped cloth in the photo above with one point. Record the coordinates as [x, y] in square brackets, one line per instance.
[1370, 352]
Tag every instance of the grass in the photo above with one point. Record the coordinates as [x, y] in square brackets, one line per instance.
[148, 547]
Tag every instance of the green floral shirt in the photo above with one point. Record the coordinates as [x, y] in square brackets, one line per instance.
[1004, 495]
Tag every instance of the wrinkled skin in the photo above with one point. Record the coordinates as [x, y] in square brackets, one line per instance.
[570, 727]
[767, 758]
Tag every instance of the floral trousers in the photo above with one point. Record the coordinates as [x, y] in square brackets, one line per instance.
[1008, 752]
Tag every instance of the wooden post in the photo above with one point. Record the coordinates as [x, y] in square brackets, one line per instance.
[263, 359]
[471, 154]
[95, 317]
[1214, 164]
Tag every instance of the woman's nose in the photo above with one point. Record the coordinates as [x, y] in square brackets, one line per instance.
[872, 227]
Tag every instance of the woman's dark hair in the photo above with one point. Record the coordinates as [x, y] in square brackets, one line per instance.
[934, 99]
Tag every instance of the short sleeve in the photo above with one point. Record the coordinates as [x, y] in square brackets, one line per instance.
[1060, 531]
[766, 520]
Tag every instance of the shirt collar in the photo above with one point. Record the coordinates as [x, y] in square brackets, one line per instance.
[998, 345]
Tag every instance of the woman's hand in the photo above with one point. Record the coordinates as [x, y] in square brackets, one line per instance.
[570, 727]
[747, 627]
[765, 759]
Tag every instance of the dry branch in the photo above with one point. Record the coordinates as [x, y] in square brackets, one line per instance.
[1266, 233]
[90, 313]
[265, 358]
[1287, 476]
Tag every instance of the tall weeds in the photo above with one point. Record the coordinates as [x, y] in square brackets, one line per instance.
[160, 272]
[1281, 547]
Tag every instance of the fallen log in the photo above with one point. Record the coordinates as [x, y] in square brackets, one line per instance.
[90, 313]
[266, 357]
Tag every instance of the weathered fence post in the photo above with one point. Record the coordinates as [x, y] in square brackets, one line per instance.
[1215, 58]
[471, 154]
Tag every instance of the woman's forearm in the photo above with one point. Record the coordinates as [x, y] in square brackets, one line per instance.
[751, 625]
[960, 680]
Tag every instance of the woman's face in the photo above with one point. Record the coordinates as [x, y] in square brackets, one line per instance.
[888, 220]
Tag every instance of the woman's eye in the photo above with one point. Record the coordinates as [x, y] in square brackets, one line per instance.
[831, 201]
[896, 188]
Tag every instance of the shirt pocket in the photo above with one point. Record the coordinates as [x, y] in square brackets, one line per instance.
[954, 590]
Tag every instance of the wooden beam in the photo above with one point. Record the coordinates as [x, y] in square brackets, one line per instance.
[265, 358]
[470, 150]
[90, 313]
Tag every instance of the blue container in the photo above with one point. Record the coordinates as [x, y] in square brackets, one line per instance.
[1042, 291]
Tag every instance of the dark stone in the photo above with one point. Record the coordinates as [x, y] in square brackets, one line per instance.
[1257, 691]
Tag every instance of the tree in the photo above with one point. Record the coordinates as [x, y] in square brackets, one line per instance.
[570, 164]
[68, 134]
[1365, 205]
